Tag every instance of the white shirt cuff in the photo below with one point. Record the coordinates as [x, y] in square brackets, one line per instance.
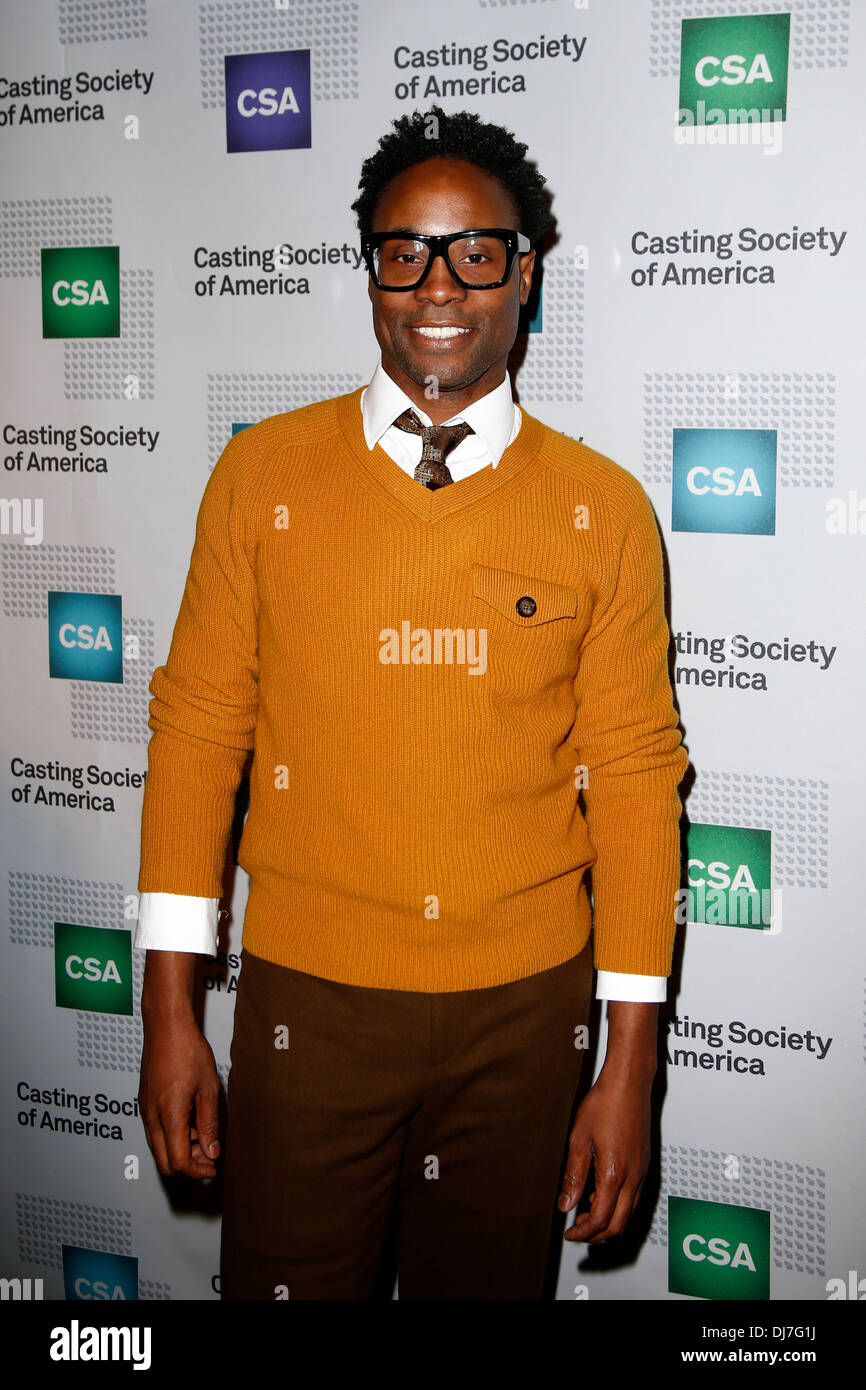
[176, 922]
[635, 989]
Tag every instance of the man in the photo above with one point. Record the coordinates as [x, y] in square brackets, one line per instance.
[437, 622]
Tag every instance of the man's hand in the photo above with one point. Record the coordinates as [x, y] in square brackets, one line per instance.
[178, 1071]
[612, 1127]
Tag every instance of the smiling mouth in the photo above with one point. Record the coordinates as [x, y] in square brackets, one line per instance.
[440, 333]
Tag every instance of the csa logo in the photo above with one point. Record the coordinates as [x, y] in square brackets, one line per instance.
[725, 481]
[718, 1251]
[85, 637]
[92, 969]
[268, 101]
[81, 292]
[95, 1274]
[729, 877]
[734, 69]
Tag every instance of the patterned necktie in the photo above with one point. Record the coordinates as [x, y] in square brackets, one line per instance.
[438, 441]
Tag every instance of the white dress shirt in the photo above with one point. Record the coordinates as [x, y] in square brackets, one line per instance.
[180, 922]
[495, 420]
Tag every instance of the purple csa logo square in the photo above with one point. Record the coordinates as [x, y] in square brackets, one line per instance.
[268, 101]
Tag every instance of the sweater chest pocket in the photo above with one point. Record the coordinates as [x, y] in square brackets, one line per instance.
[535, 627]
[524, 599]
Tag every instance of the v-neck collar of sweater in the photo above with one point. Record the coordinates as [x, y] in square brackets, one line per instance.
[432, 504]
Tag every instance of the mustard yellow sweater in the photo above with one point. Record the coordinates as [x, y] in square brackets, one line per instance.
[429, 681]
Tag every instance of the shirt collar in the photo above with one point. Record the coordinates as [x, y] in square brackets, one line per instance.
[491, 417]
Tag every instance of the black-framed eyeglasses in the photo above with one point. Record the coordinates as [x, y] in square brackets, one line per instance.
[478, 260]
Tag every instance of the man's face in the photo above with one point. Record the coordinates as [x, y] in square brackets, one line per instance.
[439, 196]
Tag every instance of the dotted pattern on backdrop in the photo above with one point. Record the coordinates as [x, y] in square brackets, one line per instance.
[794, 1193]
[248, 397]
[37, 901]
[553, 367]
[116, 369]
[46, 1224]
[795, 809]
[29, 571]
[800, 406]
[509, 4]
[98, 21]
[117, 712]
[329, 28]
[150, 1290]
[819, 30]
[29, 224]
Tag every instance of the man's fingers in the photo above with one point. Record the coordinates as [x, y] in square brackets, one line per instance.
[207, 1121]
[205, 1167]
[576, 1173]
[612, 1206]
[615, 1226]
[637, 1194]
[177, 1131]
[156, 1143]
[179, 1158]
[591, 1223]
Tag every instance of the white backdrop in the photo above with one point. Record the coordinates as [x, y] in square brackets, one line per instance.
[738, 405]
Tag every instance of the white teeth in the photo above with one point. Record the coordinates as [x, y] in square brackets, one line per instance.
[445, 332]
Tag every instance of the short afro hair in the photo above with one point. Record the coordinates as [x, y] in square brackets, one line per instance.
[462, 135]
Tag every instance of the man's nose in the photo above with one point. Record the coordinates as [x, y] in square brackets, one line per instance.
[440, 280]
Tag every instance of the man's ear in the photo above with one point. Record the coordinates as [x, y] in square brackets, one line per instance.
[527, 265]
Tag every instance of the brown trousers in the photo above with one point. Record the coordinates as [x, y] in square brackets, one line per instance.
[447, 1113]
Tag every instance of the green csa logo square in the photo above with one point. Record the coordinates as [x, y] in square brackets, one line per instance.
[729, 877]
[92, 969]
[81, 292]
[718, 1251]
[734, 70]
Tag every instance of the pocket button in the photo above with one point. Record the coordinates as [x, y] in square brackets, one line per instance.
[526, 606]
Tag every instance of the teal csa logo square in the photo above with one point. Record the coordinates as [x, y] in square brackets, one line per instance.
[724, 481]
[92, 968]
[718, 1251]
[85, 637]
[96, 1275]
